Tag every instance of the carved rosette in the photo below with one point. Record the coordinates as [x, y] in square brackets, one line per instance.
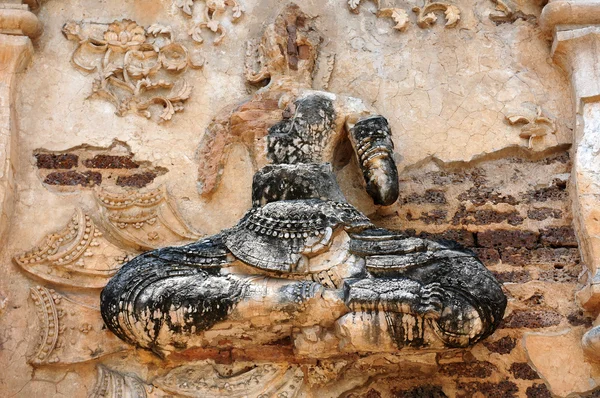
[136, 67]
[78, 255]
[144, 220]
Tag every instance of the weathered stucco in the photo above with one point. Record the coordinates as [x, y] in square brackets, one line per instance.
[494, 122]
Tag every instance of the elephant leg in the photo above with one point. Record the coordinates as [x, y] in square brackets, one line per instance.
[153, 304]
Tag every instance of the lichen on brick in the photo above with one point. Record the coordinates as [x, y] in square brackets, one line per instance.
[503, 346]
[426, 391]
[538, 391]
[56, 161]
[503, 389]
[136, 180]
[72, 178]
[534, 319]
[111, 162]
[522, 370]
[477, 369]
[507, 238]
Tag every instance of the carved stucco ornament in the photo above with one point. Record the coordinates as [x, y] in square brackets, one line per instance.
[68, 331]
[426, 15]
[211, 18]
[533, 127]
[77, 256]
[137, 68]
[303, 258]
[398, 15]
[113, 384]
[208, 380]
[507, 12]
[143, 220]
[18, 27]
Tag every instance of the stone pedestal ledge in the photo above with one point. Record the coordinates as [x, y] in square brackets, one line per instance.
[17, 27]
[575, 26]
[569, 13]
[15, 54]
[17, 21]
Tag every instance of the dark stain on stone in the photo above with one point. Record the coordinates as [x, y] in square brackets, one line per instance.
[535, 299]
[559, 258]
[50, 161]
[531, 319]
[476, 176]
[503, 346]
[372, 393]
[485, 217]
[71, 178]
[488, 256]
[507, 238]
[557, 191]
[436, 217]
[136, 180]
[503, 389]
[483, 195]
[568, 274]
[578, 318]
[431, 196]
[292, 47]
[420, 392]
[558, 237]
[522, 370]
[544, 213]
[538, 391]
[111, 162]
[478, 369]
[461, 236]
[512, 276]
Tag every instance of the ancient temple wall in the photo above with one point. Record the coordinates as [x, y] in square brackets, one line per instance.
[483, 124]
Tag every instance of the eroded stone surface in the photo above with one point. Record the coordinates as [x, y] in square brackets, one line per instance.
[448, 94]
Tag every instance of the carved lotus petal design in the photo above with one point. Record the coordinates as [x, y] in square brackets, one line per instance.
[125, 32]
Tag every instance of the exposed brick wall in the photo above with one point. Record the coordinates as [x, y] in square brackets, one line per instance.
[515, 215]
[90, 167]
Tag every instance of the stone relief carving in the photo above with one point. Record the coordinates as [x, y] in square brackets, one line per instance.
[78, 255]
[112, 384]
[143, 220]
[69, 332]
[206, 379]
[303, 262]
[354, 5]
[426, 15]
[211, 17]
[398, 15]
[137, 68]
[507, 12]
[533, 127]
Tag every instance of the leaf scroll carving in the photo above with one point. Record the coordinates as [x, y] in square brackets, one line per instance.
[426, 16]
[211, 18]
[135, 67]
